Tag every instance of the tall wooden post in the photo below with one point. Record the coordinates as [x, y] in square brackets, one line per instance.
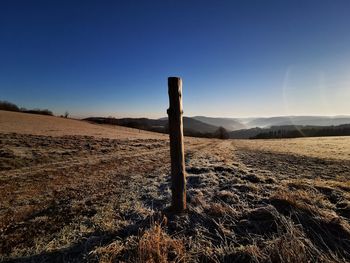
[178, 176]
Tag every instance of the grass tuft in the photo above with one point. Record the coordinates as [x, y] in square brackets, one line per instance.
[156, 245]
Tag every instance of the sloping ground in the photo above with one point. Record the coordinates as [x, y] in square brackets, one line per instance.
[55, 126]
[89, 199]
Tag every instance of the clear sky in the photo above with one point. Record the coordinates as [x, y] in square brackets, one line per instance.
[236, 58]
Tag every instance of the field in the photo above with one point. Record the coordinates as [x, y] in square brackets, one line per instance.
[74, 192]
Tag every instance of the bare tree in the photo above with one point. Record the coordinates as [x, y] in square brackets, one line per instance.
[222, 133]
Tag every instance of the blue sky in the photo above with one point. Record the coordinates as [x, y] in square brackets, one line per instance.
[236, 58]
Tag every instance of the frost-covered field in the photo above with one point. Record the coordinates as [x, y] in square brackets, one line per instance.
[101, 198]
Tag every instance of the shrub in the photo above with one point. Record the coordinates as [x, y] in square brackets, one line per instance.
[5, 105]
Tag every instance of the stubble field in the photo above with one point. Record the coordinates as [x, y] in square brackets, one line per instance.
[73, 192]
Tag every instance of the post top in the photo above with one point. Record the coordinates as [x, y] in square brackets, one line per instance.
[174, 82]
[173, 77]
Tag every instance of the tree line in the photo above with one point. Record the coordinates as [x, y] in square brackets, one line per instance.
[304, 131]
[9, 106]
[158, 125]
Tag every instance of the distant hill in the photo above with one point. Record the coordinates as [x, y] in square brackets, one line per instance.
[191, 126]
[274, 127]
[198, 126]
[233, 124]
[229, 124]
[297, 120]
[291, 131]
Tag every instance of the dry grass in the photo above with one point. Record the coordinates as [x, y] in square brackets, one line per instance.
[56, 126]
[92, 199]
[151, 246]
[313, 202]
[109, 253]
[325, 147]
[156, 245]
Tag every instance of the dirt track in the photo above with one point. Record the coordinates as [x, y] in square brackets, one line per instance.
[88, 198]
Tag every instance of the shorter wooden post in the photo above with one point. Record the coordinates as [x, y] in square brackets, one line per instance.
[178, 176]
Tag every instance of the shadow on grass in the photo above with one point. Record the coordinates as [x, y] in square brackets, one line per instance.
[79, 252]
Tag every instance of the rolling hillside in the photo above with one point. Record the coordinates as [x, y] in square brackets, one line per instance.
[24, 123]
[160, 125]
[291, 131]
[229, 124]
[298, 120]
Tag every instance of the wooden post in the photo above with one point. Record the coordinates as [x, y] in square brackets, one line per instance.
[178, 176]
